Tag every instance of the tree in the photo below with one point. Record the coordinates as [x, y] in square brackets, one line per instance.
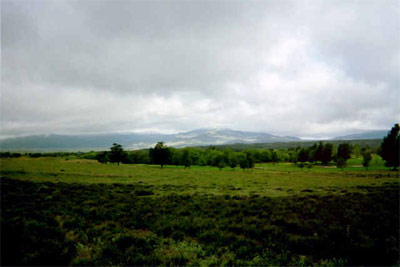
[293, 156]
[319, 152]
[211, 157]
[177, 157]
[274, 157]
[344, 151]
[366, 159]
[266, 155]
[103, 157]
[340, 163]
[221, 164]
[357, 151]
[140, 156]
[257, 155]
[303, 155]
[242, 161]
[227, 155]
[117, 153]
[326, 154]
[186, 160]
[250, 159]
[311, 155]
[390, 148]
[219, 161]
[343, 154]
[160, 154]
[233, 161]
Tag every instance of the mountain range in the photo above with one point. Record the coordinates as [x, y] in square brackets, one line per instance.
[366, 135]
[199, 137]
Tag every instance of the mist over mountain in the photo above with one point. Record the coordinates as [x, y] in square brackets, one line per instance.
[198, 137]
[378, 134]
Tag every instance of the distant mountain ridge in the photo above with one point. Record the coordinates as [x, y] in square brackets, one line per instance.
[377, 134]
[198, 137]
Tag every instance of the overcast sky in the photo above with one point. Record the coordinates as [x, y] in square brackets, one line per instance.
[301, 68]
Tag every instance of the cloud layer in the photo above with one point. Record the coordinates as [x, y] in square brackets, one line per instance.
[304, 68]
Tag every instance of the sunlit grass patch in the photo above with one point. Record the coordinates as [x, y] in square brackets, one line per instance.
[262, 180]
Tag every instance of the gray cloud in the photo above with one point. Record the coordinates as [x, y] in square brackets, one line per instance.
[305, 68]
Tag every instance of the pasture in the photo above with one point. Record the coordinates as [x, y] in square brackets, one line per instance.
[265, 179]
[74, 211]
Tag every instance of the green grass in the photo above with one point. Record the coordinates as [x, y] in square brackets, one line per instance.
[80, 212]
[119, 225]
[266, 179]
[353, 164]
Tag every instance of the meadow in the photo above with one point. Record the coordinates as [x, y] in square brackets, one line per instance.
[71, 211]
[266, 179]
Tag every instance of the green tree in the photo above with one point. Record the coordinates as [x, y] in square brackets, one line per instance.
[366, 159]
[227, 155]
[257, 155]
[233, 161]
[311, 151]
[390, 148]
[343, 154]
[186, 160]
[293, 156]
[274, 157]
[302, 155]
[117, 153]
[344, 151]
[250, 159]
[140, 156]
[242, 161]
[311, 155]
[266, 155]
[212, 156]
[326, 155]
[160, 154]
[340, 163]
[103, 157]
[221, 164]
[219, 161]
[357, 150]
[319, 152]
[177, 157]
[195, 155]
[202, 160]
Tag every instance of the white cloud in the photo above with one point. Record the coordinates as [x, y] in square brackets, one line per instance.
[291, 68]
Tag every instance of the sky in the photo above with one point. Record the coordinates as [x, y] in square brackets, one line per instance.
[298, 68]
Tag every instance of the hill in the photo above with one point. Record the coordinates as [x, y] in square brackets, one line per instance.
[278, 145]
[199, 137]
[237, 140]
[379, 134]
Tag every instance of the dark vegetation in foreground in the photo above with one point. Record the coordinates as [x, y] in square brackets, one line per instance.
[98, 224]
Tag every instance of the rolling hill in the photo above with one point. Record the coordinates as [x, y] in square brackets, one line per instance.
[379, 134]
[199, 137]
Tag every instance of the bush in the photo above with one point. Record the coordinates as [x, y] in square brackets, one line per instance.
[111, 225]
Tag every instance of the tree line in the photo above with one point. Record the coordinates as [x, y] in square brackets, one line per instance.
[38, 154]
[302, 156]
[319, 153]
[162, 155]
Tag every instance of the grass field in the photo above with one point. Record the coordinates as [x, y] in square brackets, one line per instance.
[267, 179]
[80, 212]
